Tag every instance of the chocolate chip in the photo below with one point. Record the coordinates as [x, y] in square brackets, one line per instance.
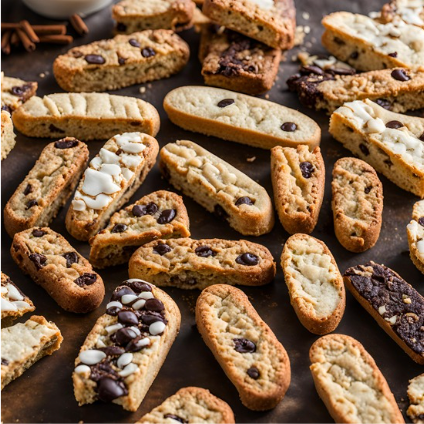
[364, 149]
[289, 126]
[394, 54]
[71, 258]
[367, 189]
[77, 54]
[339, 41]
[134, 42]
[121, 27]
[28, 189]
[154, 305]
[121, 60]
[37, 232]
[421, 221]
[66, 143]
[133, 345]
[253, 372]
[204, 251]
[6, 108]
[167, 216]
[220, 212]
[124, 336]
[148, 52]
[161, 249]
[149, 317]
[175, 418]
[141, 210]
[400, 75]
[4, 361]
[311, 69]
[248, 259]
[94, 59]
[386, 104]
[31, 203]
[244, 201]
[138, 286]
[53, 128]
[38, 259]
[119, 228]
[121, 291]
[127, 318]
[109, 389]
[307, 169]
[112, 350]
[20, 91]
[244, 346]
[113, 311]
[225, 102]
[394, 125]
[340, 71]
[354, 55]
[86, 279]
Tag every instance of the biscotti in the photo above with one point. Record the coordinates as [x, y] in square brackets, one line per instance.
[298, 180]
[122, 61]
[218, 187]
[349, 382]
[357, 203]
[159, 215]
[240, 118]
[14, 303]
[111, 178]
[87, 116]
[245, 347]
[24, 344]
[396, 306]
[139, 15]
[47, 187]
[7, 135]
[391, 143]
[368, 45]
[415, 232]
[323, 91]
[233, 61]
[409, 11]
[191, 405]
[315, 284]
[416, 399]
[271, 22]
[127, 346]
[57, 267]
[195, 264]
[15, 91]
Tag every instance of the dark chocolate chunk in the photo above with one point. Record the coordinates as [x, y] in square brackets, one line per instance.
[112, 350]
[121, 27]
[175, 418]
[339, 41]
[4, 361]
[154, 305]
[248, 259]
[121, 60]
[21, 90]
[225, 102]
[86, 279]
[311, 69]
[113, 311]
[307, 169]
[37, 232]
[253, 372]
[340, 71]
[421, 137]
[127, 318]
[394, 54]
[220, 212]
[119, 228]
[31, 204]
[134, 42]
[421, 221]
[66, 144]
[124, 335]
[400, 75]
[53, 128]
[244, 346]
[71, 258]
[148, 52]
[133, 345]
[138, 286]
[95, 59]
[121, 291]
[354, 55]
[161, 249]
[167, 216]
[28, 189]
[289, 127]
[110, 389]
[244, 201]
[6, 108]
[386, 104]
[141, 210]
[204, 251]
[364, 149]
[367, 189]
[38, 259]
[149, 317]
[394, 125]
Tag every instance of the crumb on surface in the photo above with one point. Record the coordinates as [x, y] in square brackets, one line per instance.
[252, 159]
[142, 90]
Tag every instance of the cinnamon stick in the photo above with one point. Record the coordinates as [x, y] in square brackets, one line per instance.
[14, 39]
[28, 44]
[38, 29]
[5, 41]
[78, 24]
[56, 39]
[29, 31]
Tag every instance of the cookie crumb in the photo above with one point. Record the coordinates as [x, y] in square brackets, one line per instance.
[42, 75]
[299, 35]
[142, 90]
[305, 15]
[252, 159]
[307, 29]
[267, 96]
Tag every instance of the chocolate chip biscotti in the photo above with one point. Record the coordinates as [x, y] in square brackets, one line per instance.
[409, 11]
[271, 22]
[47, 187]
[218, 187]
[22, 345]
[122, 61]
[7, 135]
[240, 118]
[245, 347]
[396, 306]
[349, 382]
[15, 91]
[298, 179]
[315, 284]
[87, 116]
[195, 264]
[416, 398]
[190, 405]
[57, 267]
[323, 91]
[159, 215]
[391, 143]
[139, 15]
[233, 61]
[127, 346]
[14, 303]
[415, 231]
[368, 45]
[111, 178]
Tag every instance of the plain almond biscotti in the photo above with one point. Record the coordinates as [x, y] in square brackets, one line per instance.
[111, 178]
[240, 118]
[127, 346]
[350, 384]
[87, 116]
[122, 61]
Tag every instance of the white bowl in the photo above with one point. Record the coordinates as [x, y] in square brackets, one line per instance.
[63, 9]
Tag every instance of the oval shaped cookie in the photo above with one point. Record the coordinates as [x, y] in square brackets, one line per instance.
[357, 204]
[245, 347]
[349, 382]
[315, 284]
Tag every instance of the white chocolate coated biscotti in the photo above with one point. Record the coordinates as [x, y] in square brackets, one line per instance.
[409, 11]
[240, 118]
[349, 382]
[245, 347]
[218, 186]
[415, 232]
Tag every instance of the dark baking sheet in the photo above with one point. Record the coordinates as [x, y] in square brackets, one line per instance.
[45, 393]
